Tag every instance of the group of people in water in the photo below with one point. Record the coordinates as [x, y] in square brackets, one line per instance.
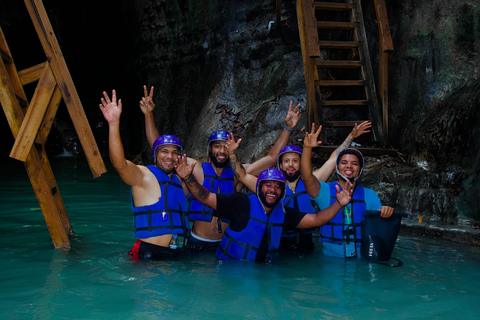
[202, 202]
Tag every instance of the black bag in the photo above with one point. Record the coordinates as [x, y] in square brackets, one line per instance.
[379, 236]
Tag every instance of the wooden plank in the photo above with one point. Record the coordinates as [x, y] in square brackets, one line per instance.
[383, 88]
[339, 83]
[54, 193]
[49, 117]
[305, 12]
[339, 44]
[62, 75]
[386, 45]
[336, 25]
[311, 93]
[12, 72]
[44, 195]
[8, 100]
[338, 63]
[311, 33]
[33, 165]
[5, 56]
[31, 74]
[385, 35]
[344, 102]
[34, 117]
[342, 123]
[332, 6]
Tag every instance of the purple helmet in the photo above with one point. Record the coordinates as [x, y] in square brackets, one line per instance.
[271, 174]
[219, 135]
[355, 152]
[166, 139]
[288, 149]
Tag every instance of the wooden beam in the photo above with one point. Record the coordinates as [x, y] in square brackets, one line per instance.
[62, 75]
[310, 28]
[37, 170]
[45, 197]
[12, 72]
[31, 74]
[49, 117]
[34, 117]
[386, 45]
[386, 42]
[383, 88]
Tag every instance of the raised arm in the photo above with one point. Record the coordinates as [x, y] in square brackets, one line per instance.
[130, 173]
[270, 160]
[327, 168]
[185, 172]
[147, 106]
[249, 180]
[312, 186]
[324, 216]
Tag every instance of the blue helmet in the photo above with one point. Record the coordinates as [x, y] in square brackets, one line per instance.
[356, 153]
[219, 135]
[166, 139]
[271, 174]
[288, 149]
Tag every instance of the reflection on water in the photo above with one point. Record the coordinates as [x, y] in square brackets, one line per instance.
[98, 280]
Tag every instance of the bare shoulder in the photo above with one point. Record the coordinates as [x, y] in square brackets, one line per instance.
[148, 178]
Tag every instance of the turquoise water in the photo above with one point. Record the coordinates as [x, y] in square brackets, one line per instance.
[98, 280]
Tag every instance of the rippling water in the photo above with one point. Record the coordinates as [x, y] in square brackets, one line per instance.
[98, 280]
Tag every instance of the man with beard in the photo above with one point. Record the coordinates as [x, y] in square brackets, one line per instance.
[300, 240]
[342, 236]
[158, 198]
[216, 175]
[257, 220]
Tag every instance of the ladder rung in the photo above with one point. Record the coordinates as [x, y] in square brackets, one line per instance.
[333, 6]
[336, 25]
[342, 123]
[31, 74]
[338, 63]
[339, 83]
[339, 44]
[343, 103]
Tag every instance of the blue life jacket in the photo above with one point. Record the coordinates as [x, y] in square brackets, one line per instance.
[167, 216]
[299, 201]
[337, 231]
[213, 183]
[244, 245]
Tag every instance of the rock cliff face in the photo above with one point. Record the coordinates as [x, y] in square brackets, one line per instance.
[220, 65]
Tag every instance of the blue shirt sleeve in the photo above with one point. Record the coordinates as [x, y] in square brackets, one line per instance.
[372, 201]
[323, 198]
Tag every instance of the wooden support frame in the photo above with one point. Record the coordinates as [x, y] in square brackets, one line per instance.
[31, 122]
[310, 52]
[385, 46]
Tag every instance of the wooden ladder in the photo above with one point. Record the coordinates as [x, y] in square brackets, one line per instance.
[338, 73]
[30, 122]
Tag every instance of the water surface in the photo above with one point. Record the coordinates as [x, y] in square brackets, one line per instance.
[98, 280]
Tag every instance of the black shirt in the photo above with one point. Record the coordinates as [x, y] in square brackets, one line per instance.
[236, 208]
